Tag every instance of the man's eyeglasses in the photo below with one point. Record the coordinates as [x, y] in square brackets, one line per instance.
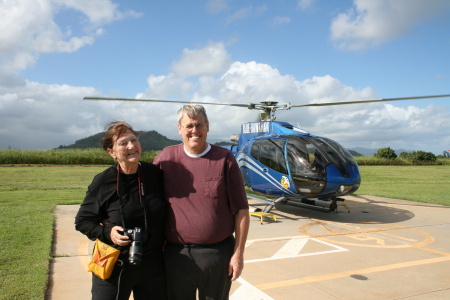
[190, 127]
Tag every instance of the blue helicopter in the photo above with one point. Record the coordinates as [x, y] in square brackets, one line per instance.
[287, 164]
[290, 165]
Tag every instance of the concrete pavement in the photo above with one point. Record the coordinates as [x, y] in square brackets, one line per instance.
[383, 249]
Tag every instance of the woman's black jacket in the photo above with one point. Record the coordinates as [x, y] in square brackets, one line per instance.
[102, 203]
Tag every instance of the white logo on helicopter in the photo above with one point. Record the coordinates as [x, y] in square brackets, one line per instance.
[255, 127]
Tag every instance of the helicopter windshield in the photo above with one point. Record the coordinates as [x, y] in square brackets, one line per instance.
[341, 150]
[307, 166]
[337, 154]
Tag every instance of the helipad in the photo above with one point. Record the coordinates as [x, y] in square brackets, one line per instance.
[382, 249]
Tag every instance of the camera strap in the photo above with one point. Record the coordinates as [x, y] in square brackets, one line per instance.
[121, 192]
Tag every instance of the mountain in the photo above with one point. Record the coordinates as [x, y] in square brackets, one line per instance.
[150, 140]
[354, 153]
[363, 151]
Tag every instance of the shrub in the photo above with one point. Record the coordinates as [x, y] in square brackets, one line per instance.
[387, 153]
[404, 155]
[419, 156]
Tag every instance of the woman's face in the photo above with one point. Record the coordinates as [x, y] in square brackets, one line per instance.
[126, 149]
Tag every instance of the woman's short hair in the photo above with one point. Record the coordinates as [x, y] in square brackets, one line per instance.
[113, 132]
[192, 111]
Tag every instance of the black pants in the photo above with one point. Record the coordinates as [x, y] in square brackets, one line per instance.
[147, 281]
[205, 269]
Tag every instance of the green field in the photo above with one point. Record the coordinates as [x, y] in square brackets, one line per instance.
[28, 196]
[428, 184]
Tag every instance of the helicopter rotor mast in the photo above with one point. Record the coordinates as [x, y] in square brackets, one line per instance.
[269, 108]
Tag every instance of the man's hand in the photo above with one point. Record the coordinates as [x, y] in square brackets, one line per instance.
[242, 223]
[236, 266]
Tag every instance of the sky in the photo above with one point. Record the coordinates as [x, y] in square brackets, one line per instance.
[55, 52]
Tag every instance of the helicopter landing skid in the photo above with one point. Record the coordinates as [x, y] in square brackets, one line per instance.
[270, 203]
[316, 204]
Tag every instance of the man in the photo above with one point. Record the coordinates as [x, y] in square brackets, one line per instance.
[207, 204]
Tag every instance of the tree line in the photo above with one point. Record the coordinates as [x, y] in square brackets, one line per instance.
[414, 156]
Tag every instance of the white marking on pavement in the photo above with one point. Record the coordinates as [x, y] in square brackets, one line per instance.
[248, 292]
[292, 247]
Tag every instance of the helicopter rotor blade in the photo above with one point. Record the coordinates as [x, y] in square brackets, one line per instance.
[163, 101]
[367, 101]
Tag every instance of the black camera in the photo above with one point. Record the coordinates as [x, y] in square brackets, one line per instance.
[136, 235]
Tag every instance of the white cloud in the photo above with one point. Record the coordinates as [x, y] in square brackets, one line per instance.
[20, 21]
[34, 115]
[163, 85]
[305, 4]
[372, 125]
[371, 23]
[29, 28]
[207, 61]
[245, 13]
[99, 12]
[47, 44]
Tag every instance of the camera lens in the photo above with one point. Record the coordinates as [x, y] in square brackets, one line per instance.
[136, 248]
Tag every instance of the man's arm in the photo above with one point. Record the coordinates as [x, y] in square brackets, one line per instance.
[241, 223]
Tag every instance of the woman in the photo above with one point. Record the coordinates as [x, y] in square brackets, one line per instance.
[129, 194]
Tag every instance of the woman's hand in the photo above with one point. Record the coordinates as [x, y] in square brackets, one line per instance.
[118, 238]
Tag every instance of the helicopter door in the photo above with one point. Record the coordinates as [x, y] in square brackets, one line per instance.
[307, 166]
[271, 173]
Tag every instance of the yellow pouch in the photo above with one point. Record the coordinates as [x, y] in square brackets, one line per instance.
[103, 260]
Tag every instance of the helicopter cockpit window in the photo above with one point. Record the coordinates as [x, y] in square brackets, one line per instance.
[333, 152]
[271, 154]
[344, 152]
[307, 166]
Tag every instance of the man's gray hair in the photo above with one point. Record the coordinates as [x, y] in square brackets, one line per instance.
[192, 111]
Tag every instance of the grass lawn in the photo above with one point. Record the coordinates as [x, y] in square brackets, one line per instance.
[429, 184]
[28, 196]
